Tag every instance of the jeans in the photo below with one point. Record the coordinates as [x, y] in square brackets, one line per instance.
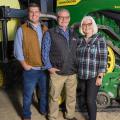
[31, 79]
[89, 90]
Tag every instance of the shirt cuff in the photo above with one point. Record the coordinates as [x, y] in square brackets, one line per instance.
[101, 70]
[48, 66]
[20, 59]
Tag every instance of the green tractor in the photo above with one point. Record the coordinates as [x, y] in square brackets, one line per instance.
[107, 15]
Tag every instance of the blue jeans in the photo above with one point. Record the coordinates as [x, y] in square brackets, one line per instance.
[31, 79]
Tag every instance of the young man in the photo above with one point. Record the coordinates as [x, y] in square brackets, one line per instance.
[59, 56]
[27, 50]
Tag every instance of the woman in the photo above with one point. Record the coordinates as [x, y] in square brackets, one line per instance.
[92, 60]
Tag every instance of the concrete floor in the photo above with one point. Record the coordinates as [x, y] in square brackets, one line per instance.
[11, 102]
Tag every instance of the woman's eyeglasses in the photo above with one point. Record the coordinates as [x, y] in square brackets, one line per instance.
[87, 24]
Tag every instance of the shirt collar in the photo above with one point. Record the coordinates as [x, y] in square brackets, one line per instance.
[93, 36]
[91, 39]
[59, 29]
[31, 25]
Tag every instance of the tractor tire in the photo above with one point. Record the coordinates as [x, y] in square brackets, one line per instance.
[103, 100]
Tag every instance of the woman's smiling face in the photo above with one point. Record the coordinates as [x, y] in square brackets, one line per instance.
[87, 27]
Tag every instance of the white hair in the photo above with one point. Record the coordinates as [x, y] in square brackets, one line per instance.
[95, 28]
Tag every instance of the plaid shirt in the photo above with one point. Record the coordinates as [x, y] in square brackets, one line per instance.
[91, 57]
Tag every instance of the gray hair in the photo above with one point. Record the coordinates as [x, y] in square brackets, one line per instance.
[62, 10]
[95, 27]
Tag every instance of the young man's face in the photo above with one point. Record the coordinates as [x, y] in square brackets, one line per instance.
[34, 14]
[63, 19]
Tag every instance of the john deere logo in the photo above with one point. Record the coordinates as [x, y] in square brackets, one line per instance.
[116, 6]
[67, 2]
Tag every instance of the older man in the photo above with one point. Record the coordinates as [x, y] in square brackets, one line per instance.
[59, 55]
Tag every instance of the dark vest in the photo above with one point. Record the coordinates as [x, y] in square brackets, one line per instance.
[62, 54]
